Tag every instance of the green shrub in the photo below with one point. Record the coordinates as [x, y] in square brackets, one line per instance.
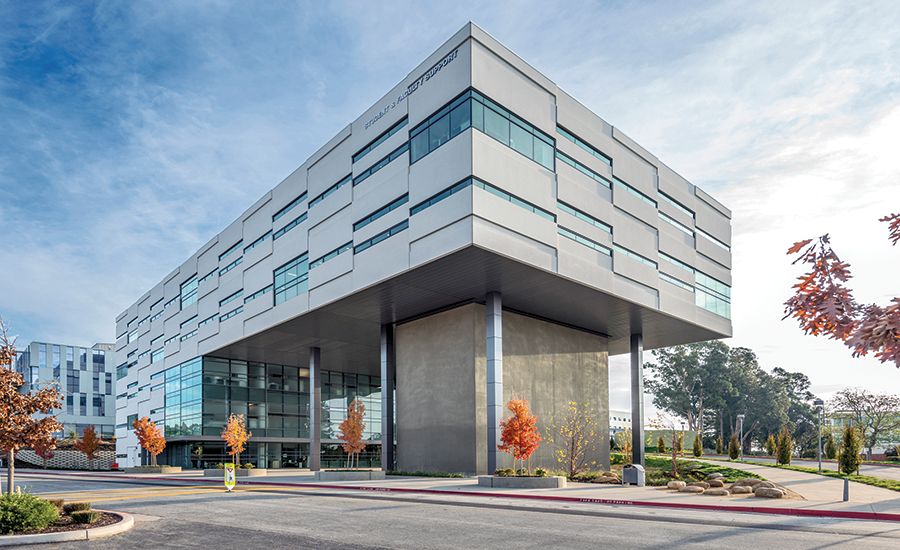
[661, 446]
[420, 473]
[585, 477]
[831, 450]
[849, 461]
[85, 516]
[76, 507]
[616, 458]
[220, 466]
[25, 512]
[771, 446]
[698, 446]
[734, 447]
[58, 502]
[504, 472]
[783, 450]
[540, 472]
[718, 445]
[248, 466]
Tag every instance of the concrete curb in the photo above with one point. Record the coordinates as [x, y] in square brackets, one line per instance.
[871, 516]
[82, 534]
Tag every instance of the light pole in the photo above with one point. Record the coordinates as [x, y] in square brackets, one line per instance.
[819, 404]
[741, 418]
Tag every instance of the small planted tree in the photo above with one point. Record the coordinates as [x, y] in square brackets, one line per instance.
[771, 445]
[679, 443]
[235, 435]
[734, 447]
[519, 433]
[150, 438]
[45, 449]
[18, 427]
[698, 446]
[351, 430]
[663, 422]
[719, 445]
[88, 445]
[784, 447]
[623, 442]
[831, 450]
[574, 437]
[850, 448]
[661, 445]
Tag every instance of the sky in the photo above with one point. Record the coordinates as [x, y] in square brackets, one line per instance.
[133, 132]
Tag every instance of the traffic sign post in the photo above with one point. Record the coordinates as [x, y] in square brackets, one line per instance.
[229, 477]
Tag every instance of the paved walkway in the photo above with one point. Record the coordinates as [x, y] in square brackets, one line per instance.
[823, 495]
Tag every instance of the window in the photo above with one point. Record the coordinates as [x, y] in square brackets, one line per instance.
[231, 249]
[635, 256]
[184, 324]
[582, 216]
[122, 371]
[678, 263]
[189, 335]
[158, 355]
[132, 418]
[286, 209]
[635, 192]
[231, 266]
[156, 375]
[258, 241]
[132, 337]
[712, 295]
[474, 109]
[291, 279]
[207, 277]
[394, 155]
[158, 338]
[676, 282]
[380, 139]
[574, 139]
[144, 354]
[258, 293]
[132, 385]
[158, 302]
[236, 295]
[131, 322]
[189, 292]
[333, 254]
[675, 203]
[172, 301]
[203, 322]
[676, 223]
[568, 233]
[144, 320]
[712, 239]
[170, 340]
[231, 314]
[381, 236]
[288, 227]
[440, 196]
[347, 179]
[157, 315]
[515, 200]
[583, 169]
[374, 216]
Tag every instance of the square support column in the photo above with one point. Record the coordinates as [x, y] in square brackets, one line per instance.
[637, 398]
[315, 409]
[494, 340]
[387, 397]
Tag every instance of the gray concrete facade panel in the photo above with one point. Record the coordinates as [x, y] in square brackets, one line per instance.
[631, 145]
[635, 291]
[635, 235]
[709, 200]
[492, 236]
[388, 184]
[635, 206]
[385, 259]
[336, 280]
[573, 186]
[714, 252]
[449, 164]
[676, 243]
[433, 245]
[330, 233]
[582, 264]
[330, 169]
[446, 84]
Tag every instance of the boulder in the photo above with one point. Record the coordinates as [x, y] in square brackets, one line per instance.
[691, 489]
[741, 490]
[768, 492]
[675, 484]
[703, 484]
[609, 474]
[717, 492]
[715, 475]
[716, 483]
[765, 484]
[747, 482]
[606, 479]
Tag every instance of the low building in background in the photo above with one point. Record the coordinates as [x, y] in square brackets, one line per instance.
[85, 376]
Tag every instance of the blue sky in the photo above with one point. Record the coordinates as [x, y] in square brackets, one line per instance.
[135, 131]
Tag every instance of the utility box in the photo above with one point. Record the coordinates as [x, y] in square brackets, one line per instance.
[634, 474]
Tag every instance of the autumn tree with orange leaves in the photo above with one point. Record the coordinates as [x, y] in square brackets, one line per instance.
[519, 434]
[150, 438]
[89, 444]
[18, 427]
[825, 306]
[236, 436]
[45, 450]
[351, 430]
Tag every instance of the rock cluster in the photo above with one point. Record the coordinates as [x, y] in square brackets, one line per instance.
[714, 486]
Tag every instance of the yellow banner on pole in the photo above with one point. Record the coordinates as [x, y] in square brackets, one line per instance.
[230, 481]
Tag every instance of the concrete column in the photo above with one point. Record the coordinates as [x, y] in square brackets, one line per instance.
[494, 336]
[637, 398]
[387, 397]
[315, 409]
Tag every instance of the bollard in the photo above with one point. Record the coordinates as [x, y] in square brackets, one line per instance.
[846, 489]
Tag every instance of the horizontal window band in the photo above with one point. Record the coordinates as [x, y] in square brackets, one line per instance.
[452, 190]
[322, 196]
[583, 216]
[394, 155]
[380, 139]
[289, 207]
[584, 145]
[581, 239]
[334, 253]
[381, 236]
[583, 169]
[381, 212]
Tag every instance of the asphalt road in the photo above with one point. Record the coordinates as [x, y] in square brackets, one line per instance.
[193, 516]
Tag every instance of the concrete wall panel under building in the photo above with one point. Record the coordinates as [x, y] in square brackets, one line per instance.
[335, 287]
[633, 290]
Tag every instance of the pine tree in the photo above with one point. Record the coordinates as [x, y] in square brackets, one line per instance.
[734, 447]
[698, 445]
[831, 450]
[719, 445]
[850, 448]
[783, 448]
[661, 445]
[771, 445]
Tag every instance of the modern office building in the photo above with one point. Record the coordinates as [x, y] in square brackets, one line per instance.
[85, 381]
[476, 234]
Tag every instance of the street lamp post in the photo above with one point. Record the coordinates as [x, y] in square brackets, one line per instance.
[741, 418]
[819, 404]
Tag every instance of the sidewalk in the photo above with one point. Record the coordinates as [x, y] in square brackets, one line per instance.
[823, 495]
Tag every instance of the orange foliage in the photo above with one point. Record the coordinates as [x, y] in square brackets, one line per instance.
[44, 450]
[89, 444]
[824, 306]
[236, 435]
[351, 430]
[520, 436]
[150, 438]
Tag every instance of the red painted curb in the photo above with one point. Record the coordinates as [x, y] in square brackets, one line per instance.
[805, 512]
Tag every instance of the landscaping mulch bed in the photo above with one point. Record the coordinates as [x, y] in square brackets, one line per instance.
[65, 523]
